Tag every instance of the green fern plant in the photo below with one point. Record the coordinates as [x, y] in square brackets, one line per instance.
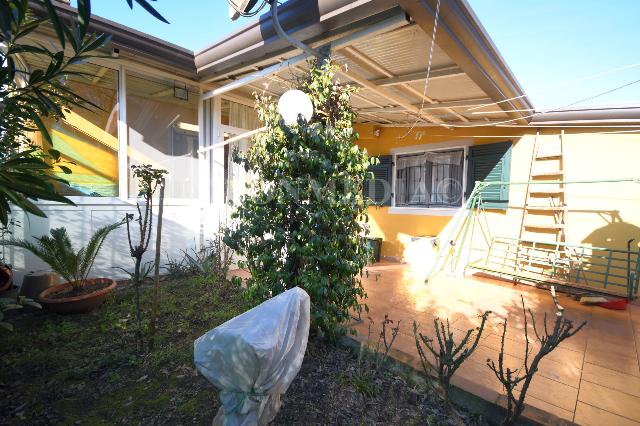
[57, 251]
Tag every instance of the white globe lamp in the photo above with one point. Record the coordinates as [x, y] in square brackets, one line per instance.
[293, 103]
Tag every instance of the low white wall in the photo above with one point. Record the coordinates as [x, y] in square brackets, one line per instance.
[182, 229]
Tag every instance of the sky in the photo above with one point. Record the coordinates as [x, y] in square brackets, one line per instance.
[561, 51]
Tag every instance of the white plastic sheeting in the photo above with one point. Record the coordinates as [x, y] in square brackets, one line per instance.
[253, 358]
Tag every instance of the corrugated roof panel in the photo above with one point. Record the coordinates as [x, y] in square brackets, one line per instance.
[403, 51]
[450, 89]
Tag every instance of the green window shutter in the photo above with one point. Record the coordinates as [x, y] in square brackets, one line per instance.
[379, 189]
[490, 163]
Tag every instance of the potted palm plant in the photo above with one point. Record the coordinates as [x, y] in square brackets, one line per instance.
[78, 294]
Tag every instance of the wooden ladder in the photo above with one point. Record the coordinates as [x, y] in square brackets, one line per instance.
[544, 216]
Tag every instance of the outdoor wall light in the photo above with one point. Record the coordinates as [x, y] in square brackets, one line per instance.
[293, 103]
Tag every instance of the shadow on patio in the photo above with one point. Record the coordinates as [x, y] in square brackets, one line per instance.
[592, 378]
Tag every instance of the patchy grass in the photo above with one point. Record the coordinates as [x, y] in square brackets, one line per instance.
[84, 369]
[58, 369]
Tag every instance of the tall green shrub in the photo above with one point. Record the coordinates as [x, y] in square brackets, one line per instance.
[303, 220]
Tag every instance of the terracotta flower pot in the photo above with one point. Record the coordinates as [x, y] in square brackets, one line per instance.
[76, 304]
[6, 278]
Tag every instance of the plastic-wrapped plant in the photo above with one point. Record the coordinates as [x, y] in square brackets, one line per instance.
[520, 379]
[448, 354]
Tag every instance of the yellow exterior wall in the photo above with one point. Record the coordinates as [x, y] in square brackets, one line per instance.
[600, 215]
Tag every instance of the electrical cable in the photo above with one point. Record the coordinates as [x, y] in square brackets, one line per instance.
[426, 81]
[248, 14]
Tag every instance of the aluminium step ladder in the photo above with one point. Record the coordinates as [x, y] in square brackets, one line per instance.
[544, 216]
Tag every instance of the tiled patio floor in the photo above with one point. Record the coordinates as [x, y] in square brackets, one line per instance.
[593, 378]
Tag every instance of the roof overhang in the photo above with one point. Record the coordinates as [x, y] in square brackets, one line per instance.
[381, 45]
[604, 115]
[390, 67]
[132, 44]
[466, 41]
[307, 20]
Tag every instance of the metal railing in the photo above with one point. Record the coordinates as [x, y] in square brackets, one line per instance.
[597, 269]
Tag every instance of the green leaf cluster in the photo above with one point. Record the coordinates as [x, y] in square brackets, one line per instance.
[57, 252]
[303, 222]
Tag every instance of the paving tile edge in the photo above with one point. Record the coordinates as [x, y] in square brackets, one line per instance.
[465, 393]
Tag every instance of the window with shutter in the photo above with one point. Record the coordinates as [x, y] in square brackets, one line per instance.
[379, 189]
[430, 179]
[490, 163]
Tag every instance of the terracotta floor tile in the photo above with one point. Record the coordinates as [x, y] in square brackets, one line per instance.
[559, 371]
[600, 312]
[479, 373]
[612, 379]
[511, 347]
[610, 400]
[619, 325]
[608, 337]
[549, 408]
[626, 350]
[517, 348]
[577, 342]
[608, 346]
[482, 354]
[614, 361]
[567, 356]
[588, 415]
[553, 392]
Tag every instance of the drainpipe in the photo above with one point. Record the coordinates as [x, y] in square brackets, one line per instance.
[282, 34]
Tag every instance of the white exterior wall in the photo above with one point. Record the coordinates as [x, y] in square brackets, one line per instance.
[180, 230]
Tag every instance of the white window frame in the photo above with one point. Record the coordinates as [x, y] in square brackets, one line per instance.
[224, 128]
[122, 67]
[463, 144]
[143, 70]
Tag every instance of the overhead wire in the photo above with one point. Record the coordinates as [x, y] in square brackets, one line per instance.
[560, 108]
[566, 83]
[431, 50]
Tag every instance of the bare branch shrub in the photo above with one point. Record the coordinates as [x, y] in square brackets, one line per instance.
[521, 378]
[449, 355]
[373, 357]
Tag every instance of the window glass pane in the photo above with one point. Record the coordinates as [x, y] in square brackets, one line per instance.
[238, 115]
[411, 180]
[244, 118]
[236, 177]
[88, 138]
[446, 178]
[163, 131]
